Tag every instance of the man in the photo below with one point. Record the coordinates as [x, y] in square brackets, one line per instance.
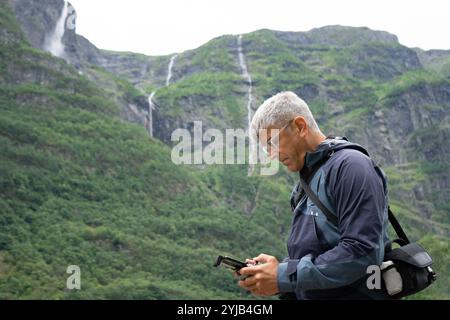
[326, 261]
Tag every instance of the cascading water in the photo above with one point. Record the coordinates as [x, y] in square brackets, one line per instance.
[54, 43]
[169, 69]
[246, 75]
[151, 107]
[151, 104]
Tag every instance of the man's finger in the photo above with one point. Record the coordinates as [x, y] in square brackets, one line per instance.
[256, 292]
[250, 288]
[250, 281]
[248, 270]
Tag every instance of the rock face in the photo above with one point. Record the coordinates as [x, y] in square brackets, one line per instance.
[359, 82]
[37, 18]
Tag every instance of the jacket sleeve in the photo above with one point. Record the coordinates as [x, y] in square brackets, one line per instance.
[358, 193]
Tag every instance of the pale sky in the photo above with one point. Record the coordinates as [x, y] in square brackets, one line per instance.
[158, 27]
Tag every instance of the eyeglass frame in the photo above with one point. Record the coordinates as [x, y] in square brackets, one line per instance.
[269, 143]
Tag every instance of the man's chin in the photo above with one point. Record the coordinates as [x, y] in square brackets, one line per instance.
[291, 166]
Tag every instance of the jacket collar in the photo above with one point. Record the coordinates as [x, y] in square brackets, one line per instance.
[324, 151]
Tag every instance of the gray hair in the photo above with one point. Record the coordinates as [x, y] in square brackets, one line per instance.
[278, 110]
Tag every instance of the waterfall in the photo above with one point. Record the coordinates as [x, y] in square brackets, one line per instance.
[151, 107]
[248, 79]
[54, 43]
[246, 75]
[151, 104]
[169, 69]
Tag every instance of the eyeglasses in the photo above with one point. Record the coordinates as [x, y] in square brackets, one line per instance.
[270, 144]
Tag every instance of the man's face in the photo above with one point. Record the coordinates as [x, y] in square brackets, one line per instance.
[290, 147]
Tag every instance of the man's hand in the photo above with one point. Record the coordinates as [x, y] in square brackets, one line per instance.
[262, 278]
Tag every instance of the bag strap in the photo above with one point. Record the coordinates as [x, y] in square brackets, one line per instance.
[330, 216]
[397, 227]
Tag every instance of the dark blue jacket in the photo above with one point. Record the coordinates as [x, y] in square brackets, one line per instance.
[329, 262]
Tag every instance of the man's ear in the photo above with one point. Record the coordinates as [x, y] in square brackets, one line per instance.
[301, 125]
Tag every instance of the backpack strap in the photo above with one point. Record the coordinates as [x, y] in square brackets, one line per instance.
[332, 218]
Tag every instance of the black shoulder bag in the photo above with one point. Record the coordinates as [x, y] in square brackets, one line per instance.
[412, 262]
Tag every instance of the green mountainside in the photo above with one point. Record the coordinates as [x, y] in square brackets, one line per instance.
[82, 182]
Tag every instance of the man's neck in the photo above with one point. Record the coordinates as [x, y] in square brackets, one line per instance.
[315, 139]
